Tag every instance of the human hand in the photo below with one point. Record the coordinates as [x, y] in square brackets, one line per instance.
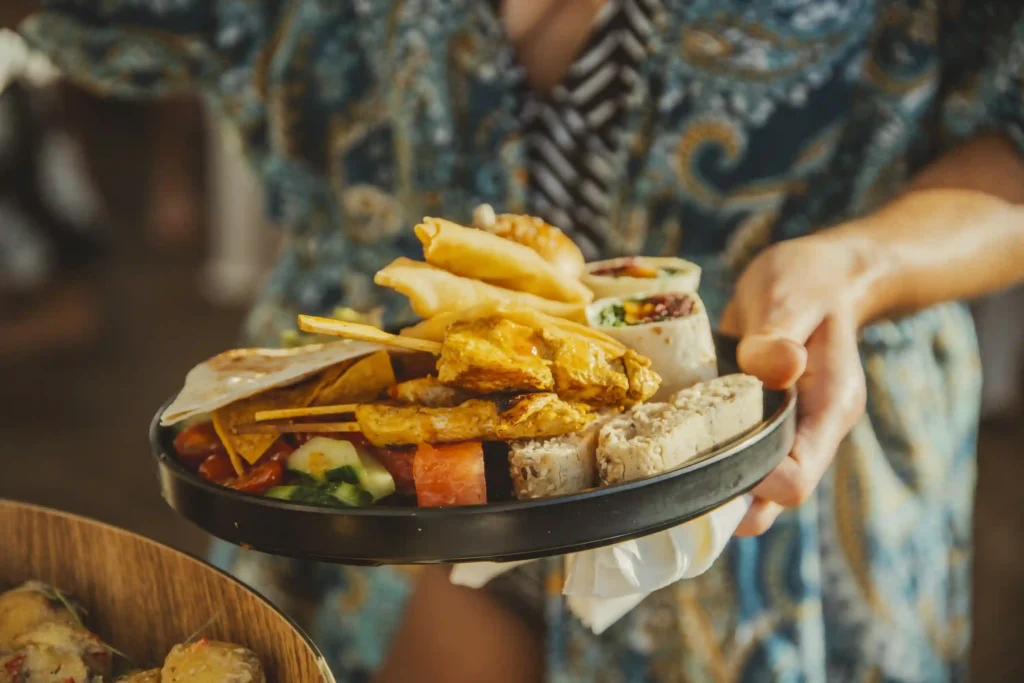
[796, 311]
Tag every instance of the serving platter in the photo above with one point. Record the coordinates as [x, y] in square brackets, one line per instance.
[495, 532]
[143, 597]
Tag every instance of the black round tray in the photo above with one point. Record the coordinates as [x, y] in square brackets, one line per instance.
[496, 532]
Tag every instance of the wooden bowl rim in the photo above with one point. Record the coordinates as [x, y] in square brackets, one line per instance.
[9, 504]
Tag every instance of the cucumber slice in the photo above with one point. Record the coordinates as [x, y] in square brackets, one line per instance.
[352, 495]
[281, 492]
[340, 462]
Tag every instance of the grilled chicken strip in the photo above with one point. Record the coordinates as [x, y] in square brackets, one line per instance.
[495, 354]
[526, 416]
[426, 391]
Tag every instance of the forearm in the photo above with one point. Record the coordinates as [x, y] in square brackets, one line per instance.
[957, 233]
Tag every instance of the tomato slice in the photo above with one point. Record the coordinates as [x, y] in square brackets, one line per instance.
[399, 463]
[452, 474]
[195, 444]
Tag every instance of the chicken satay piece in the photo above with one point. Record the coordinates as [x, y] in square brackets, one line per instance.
[426, 391]
[210, 661]
[643, 381]
[494, 355]
[517, 417]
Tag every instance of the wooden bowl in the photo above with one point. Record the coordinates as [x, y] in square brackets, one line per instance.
[143, 597]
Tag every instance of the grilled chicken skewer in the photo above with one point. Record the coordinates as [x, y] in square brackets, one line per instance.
[525, 416]
[498, 355]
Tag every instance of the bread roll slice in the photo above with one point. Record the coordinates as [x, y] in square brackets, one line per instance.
[657, 437]
[551, 467]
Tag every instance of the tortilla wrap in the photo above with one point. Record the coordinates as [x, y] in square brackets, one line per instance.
[682, 349]
[240, 373]
[685, 277]
[351, 381]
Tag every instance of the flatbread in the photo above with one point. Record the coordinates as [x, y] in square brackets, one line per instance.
[240, 373]
[347, 382]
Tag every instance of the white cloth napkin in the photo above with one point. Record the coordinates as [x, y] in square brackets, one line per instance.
[602, 585]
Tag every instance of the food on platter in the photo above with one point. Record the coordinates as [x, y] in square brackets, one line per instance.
[427, 391]
[502, 375]
[433, 291]
[294, 338]
[434, 329]
[564, 464]
[45, 641]
[483, 256]
[553, 245]
[239, 373]
[452, 474]
[497, 355]
[635, 275]
[657, 437]
[671, 329]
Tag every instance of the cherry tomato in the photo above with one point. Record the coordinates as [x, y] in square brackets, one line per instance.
[278, 452]
[399, 463]
[259, 479]
[217, 468]
[196, 443]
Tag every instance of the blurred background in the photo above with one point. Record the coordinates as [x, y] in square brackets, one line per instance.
[132, 241]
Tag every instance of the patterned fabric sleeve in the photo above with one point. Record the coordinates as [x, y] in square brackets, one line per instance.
[983, 69]
[130, 47]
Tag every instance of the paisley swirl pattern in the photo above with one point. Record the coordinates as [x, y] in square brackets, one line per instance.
[751, 122]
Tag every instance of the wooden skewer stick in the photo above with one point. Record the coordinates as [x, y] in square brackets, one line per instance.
[346, 330]
[300, 428]
[309, 411]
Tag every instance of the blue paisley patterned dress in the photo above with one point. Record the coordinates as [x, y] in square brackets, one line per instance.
[750, 122]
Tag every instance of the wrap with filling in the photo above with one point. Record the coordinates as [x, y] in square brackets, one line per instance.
[671, 329]
[634, 275]
[239, 373]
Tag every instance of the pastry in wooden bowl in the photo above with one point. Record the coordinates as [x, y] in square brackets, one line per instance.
[83, 597]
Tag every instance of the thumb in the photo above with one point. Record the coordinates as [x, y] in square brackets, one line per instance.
[772, 346]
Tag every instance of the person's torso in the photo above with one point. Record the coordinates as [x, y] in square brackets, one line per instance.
[741, 124]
